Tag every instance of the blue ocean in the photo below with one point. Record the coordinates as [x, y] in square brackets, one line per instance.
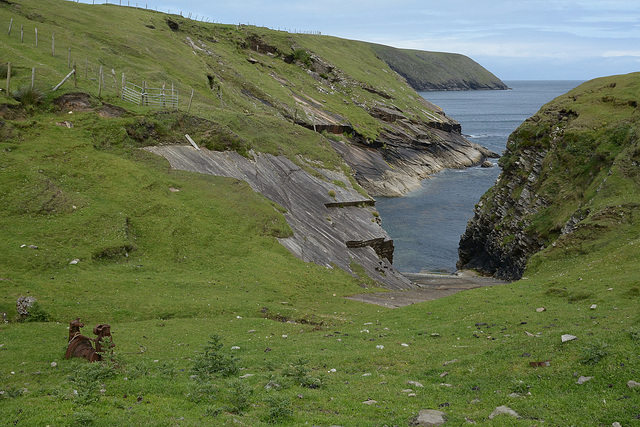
[426, 224]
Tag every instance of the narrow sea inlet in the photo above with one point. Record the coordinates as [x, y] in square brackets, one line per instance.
[426, 224]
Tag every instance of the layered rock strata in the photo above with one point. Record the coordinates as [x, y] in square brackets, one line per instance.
[333, 225]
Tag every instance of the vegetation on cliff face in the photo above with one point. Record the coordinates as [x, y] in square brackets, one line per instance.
[569, 180]
[426, 71]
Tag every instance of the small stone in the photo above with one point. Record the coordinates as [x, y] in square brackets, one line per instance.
[404, 345]
[407, 390]
[370, 402]
[412, 395]
[446, 385]
[450, 362]
[368, 374]
[235, 347]
[541, 309]
[583, 380]
[503, 410]
[435, 335]
[593, 307]
[74, 261]
[633, 384]
[379, 347]
[429, 418]
[415, 384]
[246, 376]
[568, 337]
[33, 247]
[444, 374]
[486, 164]
[616, 424]
[54, 365]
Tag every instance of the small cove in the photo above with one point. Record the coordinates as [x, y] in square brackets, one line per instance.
[426, 224]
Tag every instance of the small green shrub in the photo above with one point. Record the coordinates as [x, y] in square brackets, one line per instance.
[213, 361]
[301, 55]
[594, 352]
[28, 96]
[83, 417]
[280, 409]
[37, 314]
[299, 372]
[332, 194]
[239, 398]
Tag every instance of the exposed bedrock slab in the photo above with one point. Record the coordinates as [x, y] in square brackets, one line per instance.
[333, 226]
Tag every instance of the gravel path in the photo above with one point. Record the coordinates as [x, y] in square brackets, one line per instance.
[432, 286]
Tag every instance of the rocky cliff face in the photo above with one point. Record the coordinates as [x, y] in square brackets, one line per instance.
[558, 168]
[333, 225]
[496, 241]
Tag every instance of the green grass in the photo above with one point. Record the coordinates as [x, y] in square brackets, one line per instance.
[170, 269]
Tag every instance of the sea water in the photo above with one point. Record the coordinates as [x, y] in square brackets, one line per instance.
[426, 224]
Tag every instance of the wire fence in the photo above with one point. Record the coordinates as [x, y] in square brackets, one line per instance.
[89, 76]
[188, 15]
[150, 97]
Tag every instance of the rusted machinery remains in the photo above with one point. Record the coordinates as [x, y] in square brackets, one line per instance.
[83, 346]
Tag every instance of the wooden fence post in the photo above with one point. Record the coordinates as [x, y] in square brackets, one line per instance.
[86, 67]
[21, 33]
[190, 99]
[115, 81]
[100, 84]
[10, 24]
[144, 93]
[69, 58]
[53, 44]
[36, 36]
[124, 82]
[75, 75]
[63, 81]
[33, 77]
[8, 78]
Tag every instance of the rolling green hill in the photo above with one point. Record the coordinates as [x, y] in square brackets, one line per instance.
[214, 321]
[426, 71]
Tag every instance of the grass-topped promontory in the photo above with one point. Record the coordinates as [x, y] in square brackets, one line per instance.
[216, 323]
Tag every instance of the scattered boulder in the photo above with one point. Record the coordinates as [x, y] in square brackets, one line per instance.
[429, 417]
[23, 304]
[568, 337]
[415, 384]
[486, 164]
[503, 410]
[633, 384]
[583, 380]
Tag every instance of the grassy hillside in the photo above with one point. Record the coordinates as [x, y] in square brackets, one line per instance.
[438, 71]
[93, 227]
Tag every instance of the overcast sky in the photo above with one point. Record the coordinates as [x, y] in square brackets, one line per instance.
[514, 39]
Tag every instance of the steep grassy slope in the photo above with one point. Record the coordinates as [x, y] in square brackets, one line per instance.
[438, 71]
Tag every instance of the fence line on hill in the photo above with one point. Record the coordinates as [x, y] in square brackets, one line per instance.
[91, 75]
[190, 16]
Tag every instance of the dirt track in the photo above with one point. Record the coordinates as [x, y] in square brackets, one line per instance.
[432, 286]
